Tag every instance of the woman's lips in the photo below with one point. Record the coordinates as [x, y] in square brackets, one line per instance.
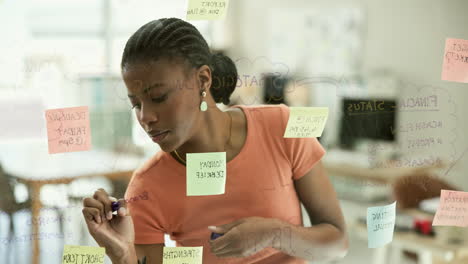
[160, 137]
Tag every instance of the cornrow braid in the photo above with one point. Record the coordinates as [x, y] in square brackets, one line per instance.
[173, 37]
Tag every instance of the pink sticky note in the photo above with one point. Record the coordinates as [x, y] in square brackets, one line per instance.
[455, 67]
[68, 129]
[453, 209]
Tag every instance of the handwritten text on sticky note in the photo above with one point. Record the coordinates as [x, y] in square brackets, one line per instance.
[380, 225]
[206, 173]
[182, 255]
[83, 254]
[206, 10]
[455, 66]
[68, 129]
[452, 210]
[306, 122]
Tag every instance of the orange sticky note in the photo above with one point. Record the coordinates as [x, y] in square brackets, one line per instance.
[68, 129]
[452, 210]
[455, 67]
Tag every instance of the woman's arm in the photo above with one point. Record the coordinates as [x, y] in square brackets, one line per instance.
[116, 233]
[327, 238]
[128, 256]
[152, 252]
[141, 254]
[325, 241]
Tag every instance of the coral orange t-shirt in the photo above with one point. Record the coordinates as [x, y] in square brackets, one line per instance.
[259, 182]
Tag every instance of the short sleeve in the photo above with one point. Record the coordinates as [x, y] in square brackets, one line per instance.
[143, 206]
[303, 153]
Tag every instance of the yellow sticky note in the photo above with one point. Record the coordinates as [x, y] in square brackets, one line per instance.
[305, 122]
[206, 10]
[83, 254]
[182, 255]
[206, 173]
[68, 129]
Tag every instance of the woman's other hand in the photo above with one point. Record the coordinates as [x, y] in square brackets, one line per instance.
[243, 237]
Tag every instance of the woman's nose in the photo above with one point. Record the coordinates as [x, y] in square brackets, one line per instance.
[148, 116]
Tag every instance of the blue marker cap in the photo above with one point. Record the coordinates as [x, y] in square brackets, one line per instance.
[215, 236]
[115, 206]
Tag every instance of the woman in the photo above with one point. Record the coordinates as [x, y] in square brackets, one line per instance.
[174, 83]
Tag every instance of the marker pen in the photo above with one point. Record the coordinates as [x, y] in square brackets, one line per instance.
[115, 206]
[215, 235]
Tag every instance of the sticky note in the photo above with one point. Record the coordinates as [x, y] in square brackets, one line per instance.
[68, 129]
[380, 225]
[206, 173]
[452, 210]
[455, 66]
[83, 254]
[206, 10]
[306, 122]
[182, 255]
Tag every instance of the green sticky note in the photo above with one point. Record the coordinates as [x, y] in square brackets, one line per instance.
[182, 255]
[206, 10]
[206, 173]
[83, 254]
[305, 122]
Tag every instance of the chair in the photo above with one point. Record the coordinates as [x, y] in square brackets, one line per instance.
[10, 205]
[411, 189]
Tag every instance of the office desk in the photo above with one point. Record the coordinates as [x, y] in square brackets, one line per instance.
[378, 175]
[36, 168]
[427, 248]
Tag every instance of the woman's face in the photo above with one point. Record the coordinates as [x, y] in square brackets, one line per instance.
[165, 96]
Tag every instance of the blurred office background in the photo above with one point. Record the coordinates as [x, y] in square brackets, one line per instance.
[334, 53]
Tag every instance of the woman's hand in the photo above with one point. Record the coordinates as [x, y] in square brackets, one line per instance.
[113, 232]
[243, 237]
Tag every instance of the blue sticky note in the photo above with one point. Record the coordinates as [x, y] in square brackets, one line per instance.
[380, 225]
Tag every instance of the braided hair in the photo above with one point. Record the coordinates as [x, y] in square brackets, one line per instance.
[176, 38]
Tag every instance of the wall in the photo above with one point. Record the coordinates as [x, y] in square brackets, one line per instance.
[406, 37]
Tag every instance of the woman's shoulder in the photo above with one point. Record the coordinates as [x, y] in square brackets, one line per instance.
[273, 112]
[151, 162]
[267, 124]
[263, 107]
[141, 173]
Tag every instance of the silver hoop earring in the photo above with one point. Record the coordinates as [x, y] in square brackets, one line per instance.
[203, 105]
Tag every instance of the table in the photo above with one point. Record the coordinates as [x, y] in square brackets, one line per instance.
[427, 248]
[378, 175]
[35, 167]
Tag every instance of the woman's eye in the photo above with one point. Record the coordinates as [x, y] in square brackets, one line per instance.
[160, 99]
[136, 106]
